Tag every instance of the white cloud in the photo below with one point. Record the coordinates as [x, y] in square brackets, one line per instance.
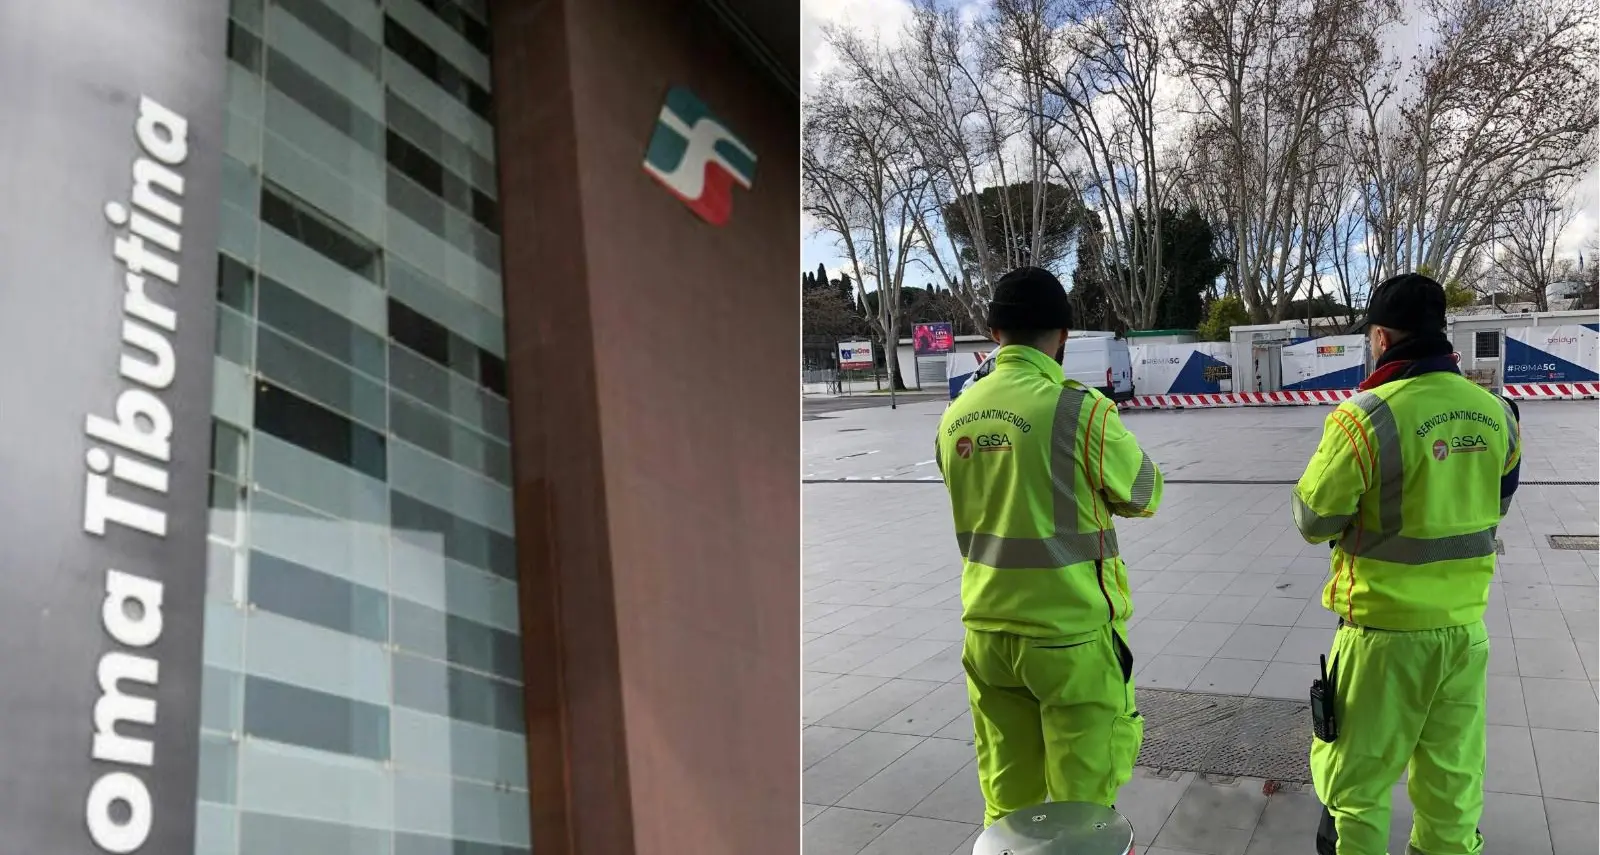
[883, 18]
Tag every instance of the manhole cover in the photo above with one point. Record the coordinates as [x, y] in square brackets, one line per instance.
[1581, 542]
[1226, 735]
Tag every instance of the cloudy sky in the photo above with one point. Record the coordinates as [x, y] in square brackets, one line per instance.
[886, 17]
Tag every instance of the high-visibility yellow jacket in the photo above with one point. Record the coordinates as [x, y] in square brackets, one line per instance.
[1412, 477]
[1036, 466]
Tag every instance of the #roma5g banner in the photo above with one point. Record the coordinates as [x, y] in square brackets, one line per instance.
[1565, 354]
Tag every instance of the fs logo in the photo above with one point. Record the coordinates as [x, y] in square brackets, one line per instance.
[697, 157]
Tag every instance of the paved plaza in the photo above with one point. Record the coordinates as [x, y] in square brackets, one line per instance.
[1225, 598]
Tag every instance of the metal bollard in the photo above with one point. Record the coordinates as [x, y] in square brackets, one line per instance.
[1059, 828]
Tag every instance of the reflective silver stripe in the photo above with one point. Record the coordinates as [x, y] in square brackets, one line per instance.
[1144, 485]
[1505, 505]
[1035, 553]
[1312, 524]
[1066, 545]
[1397, 549]
[1391, 469]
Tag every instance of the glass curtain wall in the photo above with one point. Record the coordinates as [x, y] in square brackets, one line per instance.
[362, 690]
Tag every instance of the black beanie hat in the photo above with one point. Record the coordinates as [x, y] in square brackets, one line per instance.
[1029, 298]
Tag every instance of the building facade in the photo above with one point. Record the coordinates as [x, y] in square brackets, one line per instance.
[346, 493]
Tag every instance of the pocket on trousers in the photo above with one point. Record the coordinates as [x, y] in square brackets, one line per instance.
[1127, 736]
[1124, 655]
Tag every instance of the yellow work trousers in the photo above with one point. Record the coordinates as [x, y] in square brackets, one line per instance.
[1053, 718]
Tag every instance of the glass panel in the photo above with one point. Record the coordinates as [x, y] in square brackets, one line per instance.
[316, 482]
[316, 785]
[236, 284]
[457, 640]
[299, 716]
[430, 743]
[424, 426]
[297, 266]
[332, 190]
[264, 834]
[240, 231]
[296, 591]
[460, 809]
[321, 379]
[323, 329]
[421, 56]
[350, 550]
[232, 392]
[219, 768]
[246, 12]
[425, 576]
[337, 31]
[235, 337]
[221, 699]
[422, 524]
[244, 48]
[324, 101]
[444, 29]
[215, 831]
[441, 483]
[446, 111]
[224, 636]
[240, 187]
[454, 153]
[299, 220]
[477, 278]
[437, 688]
[319, 430]
[228, 450]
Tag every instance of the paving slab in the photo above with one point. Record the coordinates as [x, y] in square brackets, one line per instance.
[1226, 613]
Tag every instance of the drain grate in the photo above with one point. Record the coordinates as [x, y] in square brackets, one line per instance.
[1580, 542]
[1226, 735]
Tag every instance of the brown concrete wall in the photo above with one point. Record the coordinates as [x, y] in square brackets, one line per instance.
[656, 438]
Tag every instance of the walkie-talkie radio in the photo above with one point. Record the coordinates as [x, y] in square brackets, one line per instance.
[1324, 724]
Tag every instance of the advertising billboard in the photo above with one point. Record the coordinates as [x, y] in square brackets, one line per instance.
[1204, 367]
[935, 338]
[855, 355]
[1332, 362]
[1564, 354]
[112, 156]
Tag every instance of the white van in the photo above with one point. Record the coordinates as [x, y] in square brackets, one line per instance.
[1101, 363]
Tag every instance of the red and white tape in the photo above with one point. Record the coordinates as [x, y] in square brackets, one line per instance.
[1310, 398]
[1329, 397]
[1552, 391]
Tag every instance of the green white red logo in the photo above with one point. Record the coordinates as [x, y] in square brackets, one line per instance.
[697, 158]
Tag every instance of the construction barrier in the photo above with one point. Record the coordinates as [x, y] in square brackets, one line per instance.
[1304, 398]
[1330, 397]
[1552, 391]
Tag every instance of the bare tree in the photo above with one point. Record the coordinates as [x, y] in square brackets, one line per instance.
[939, 87]
[1524, 255]
[1089, 71]
[1502, 103]
[1272, 79]
[861, 183]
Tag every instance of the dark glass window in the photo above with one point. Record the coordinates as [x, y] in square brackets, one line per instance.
[337, 30]
[417, 126]
[270, 834]
[299, 716]
[324, 101]
[299, 220]
[426, 427]
[329, 332]
[321, 431]
[473, 30]
[456, 639]
[486, 211]
[227, 450]
[289, 589]
[421, 334]
[436, 342]
[429, 686]
[492, 372]
[236, 284]
[244, 48]
[415, 163]
[464, 541]
[419, 55]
